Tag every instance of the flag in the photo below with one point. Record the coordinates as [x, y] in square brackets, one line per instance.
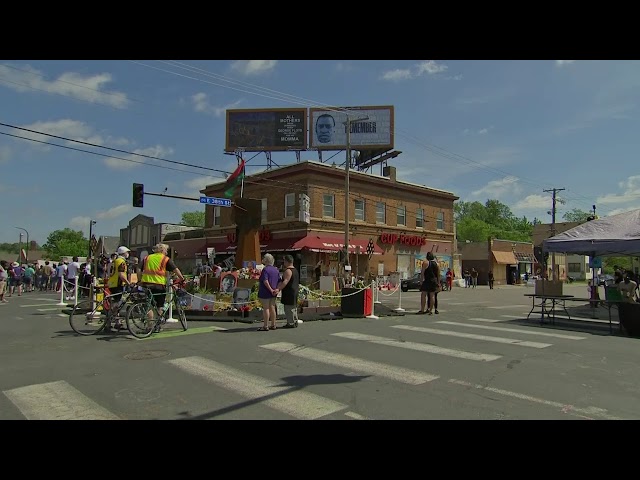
[234, 180]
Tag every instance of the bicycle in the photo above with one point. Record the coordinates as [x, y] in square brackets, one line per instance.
[90, 317]
[141, 326]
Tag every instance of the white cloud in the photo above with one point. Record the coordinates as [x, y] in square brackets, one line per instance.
[562, 63]
[5, 154]
[499, 188]
[455, 77]
[621, 210]
[532, 202]
[89, 88]
[66, 128]
[127, 162]
[201, 104]
[114, 212]
[429, 67]
[397, 75]
[79, 222]
[199, 183]
[253, 67]
[344, 67]
[482, 131]
[631, 193]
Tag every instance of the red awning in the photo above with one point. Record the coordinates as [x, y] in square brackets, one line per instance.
[317, 243]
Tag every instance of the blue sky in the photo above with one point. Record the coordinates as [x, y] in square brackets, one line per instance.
[503, 130]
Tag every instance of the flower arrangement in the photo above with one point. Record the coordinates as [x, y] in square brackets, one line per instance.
[248, 273]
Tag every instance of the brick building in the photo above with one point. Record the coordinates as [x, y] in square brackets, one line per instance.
[303, 214]
[507, 259]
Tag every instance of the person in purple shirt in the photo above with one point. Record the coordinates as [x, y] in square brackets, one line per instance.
[267, 292]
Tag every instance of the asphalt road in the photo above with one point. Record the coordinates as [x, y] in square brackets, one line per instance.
[478, 359]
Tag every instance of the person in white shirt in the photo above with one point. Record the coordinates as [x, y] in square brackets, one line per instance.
[62, 273]
[73, 270]
[628, 289]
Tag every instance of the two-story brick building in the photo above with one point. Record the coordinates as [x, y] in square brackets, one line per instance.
[303, 213]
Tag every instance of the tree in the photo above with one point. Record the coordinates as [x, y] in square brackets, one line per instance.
[576, 215]
[476, 222]
[193, 219]
[11, 247]
[67, 242]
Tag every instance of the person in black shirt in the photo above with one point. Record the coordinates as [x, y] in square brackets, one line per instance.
[289, 286]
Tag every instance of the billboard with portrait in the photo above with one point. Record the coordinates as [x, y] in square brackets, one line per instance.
[328, 131]
[266, 130]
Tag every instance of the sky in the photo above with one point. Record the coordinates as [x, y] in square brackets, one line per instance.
[505, 130]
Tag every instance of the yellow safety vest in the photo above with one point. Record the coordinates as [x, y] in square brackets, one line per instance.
[114, 279]
[155, 269]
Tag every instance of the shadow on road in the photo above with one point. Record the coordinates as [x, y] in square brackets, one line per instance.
[295, 383]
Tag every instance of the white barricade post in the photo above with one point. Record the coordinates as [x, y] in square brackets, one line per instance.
[399, 309]
[172, 297]
[75, 295]
[376, 291]
[373, 289]
[62, 302]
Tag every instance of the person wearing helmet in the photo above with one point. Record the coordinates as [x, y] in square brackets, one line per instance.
[118, 277]
[154, 275]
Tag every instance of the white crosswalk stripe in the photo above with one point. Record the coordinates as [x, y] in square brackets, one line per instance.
[488, 320]
[508, 306]
[275, 394]
[56, 401]
[451, 333]
[399, 374]
[421, 347]
[515, 330]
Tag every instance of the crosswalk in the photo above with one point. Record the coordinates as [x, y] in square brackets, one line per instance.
[268, 389]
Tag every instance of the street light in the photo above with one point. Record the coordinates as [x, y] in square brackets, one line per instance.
[91, 224]
[346, 187]
[26, 251]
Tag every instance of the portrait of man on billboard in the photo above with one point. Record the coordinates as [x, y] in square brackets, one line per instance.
[325, 128]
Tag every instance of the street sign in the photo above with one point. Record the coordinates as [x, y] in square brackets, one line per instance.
[221, 202]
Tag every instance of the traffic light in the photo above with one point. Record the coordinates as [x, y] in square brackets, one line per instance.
[138, 195]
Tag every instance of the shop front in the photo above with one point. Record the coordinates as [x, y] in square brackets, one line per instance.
[404, 254]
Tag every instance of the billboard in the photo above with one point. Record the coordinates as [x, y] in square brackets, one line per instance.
[266, 130]
[327, 129]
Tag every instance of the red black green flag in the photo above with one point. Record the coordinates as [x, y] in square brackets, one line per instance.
[234, 180]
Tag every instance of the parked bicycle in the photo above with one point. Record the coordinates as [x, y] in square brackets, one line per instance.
[90, 317]
[139, 323]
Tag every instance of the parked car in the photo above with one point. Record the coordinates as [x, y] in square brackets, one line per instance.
[605, 280]
[412, 283]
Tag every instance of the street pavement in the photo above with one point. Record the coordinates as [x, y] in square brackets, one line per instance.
[478, 359]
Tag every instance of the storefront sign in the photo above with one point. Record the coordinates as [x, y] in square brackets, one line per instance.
[411, 240]
[265, 236]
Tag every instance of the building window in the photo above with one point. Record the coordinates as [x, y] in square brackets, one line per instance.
[328, 207]
[216, 216]
[574, 268]
[420, 218]
[264, 210]
[290, 205]
[440, 221]
[381, 216]
[359, 210]
[155, 240]
[402, 215]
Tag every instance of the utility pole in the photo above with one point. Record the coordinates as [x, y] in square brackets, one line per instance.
[553, 228]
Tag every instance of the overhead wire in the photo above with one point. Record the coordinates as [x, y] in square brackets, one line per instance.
[281, 96]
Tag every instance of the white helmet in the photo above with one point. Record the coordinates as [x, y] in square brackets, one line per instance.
[122, 250]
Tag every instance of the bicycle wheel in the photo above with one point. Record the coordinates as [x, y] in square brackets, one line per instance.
[138, 324]
[182, 316]
[89, 317]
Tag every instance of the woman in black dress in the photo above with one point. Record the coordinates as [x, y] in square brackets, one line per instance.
[430, 280]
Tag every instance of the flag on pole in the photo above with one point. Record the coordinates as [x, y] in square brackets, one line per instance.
[234, 180]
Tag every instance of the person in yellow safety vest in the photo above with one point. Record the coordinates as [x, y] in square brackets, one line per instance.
[118, 278]
[154, 274]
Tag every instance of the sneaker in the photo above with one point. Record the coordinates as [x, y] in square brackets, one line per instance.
[437, 312]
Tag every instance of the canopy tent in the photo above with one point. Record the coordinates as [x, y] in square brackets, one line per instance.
[614, 235]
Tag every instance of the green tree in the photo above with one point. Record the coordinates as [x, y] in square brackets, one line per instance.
[193, 219]
[66, 242]
[10, 247]
[576, 215]
[475, 222]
